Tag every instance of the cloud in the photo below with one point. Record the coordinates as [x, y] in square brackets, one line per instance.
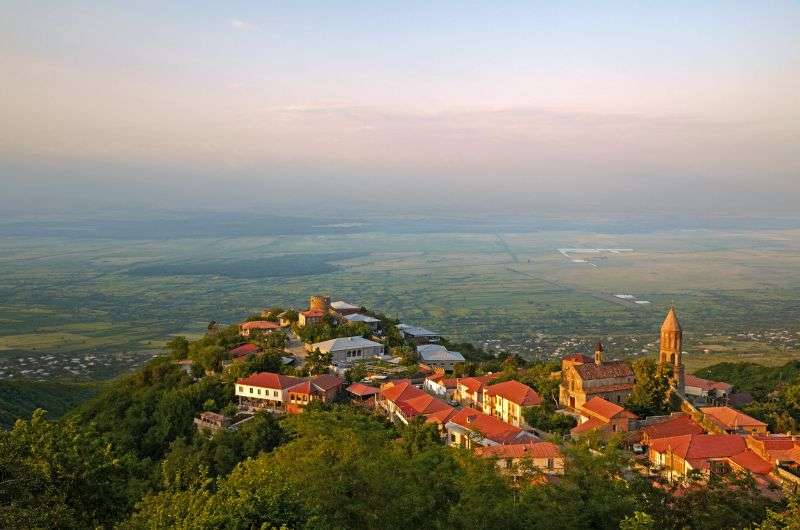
[240, 24]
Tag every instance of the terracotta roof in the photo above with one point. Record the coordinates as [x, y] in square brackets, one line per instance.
[362, 390]
[588, 425]
[730, 418]
[326, 382]
[401, 390]
[475, 383]
[426, 404]
[269, 380]
[578, 358]
[260, 324]
[605, 410]
[488, 426]
[776, 442]
[699, 449]
[529, 450]
[671, 321]
[515, 392]
[676, 426]
[440, 416]
[607, 370]
[440, 379]
[752, 462]
[245, 349]
[311, 313]
[303, 387]
[706, 384]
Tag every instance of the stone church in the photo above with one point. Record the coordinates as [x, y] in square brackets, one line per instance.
[583, 378]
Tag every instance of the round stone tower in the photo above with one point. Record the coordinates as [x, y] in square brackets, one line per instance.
[320, 303]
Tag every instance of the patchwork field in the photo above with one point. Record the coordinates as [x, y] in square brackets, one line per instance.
[110, 303]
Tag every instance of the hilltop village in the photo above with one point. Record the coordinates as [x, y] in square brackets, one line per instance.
[681, 429]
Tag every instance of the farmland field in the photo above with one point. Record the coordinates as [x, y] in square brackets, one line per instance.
[83, 305]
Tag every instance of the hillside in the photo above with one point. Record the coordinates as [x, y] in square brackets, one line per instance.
[130, 458]
[19, 398]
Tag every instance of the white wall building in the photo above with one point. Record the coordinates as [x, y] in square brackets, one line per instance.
[436, 355]
[371, 322]
[350, 349]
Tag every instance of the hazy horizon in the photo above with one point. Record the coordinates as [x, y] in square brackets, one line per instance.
[689, 107]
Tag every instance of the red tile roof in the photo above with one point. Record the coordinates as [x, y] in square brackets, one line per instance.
[440, 379]
[588, 425]
[313, 313]
[440, 416]
[245, 349]
[362, 390]
[578, 358]
[706, 384]
[269, 380]
[678, 425]
[426, 404]
[730, 418]
[475, 383]
[260, 324]
[605, 410]
[529, 450]
[303, 387]
[326, 382]
[515, 392]
[489, 427]
[607, 370]
[699, 449]
[752, 462]
[400, 390]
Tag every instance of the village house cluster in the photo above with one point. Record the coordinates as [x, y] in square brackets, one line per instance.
[486, 413]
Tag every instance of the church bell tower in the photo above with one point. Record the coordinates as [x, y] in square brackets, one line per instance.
[598, 354]
[671, 347]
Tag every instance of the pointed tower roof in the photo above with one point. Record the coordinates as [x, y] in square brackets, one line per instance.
[671, 322]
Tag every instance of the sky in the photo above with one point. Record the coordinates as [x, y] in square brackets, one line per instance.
[400, 106]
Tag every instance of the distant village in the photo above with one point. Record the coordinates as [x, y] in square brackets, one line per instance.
[405, 373]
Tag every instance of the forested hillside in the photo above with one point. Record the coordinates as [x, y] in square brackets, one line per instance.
[19, 398]
[130, 458]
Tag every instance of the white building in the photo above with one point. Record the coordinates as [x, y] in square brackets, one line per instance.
[265, 390]
[418, 335]
[349, 349]
[345, 308]
[371, 322]
[436, 355]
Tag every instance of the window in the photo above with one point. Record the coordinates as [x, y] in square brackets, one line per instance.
[550, 463]
[259, 391]
[251, 389]
[241, 389]
[275, 393]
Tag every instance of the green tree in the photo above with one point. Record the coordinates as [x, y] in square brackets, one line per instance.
[318, 362]
[637, 521]
[651, 393]
[62, 475]
[731, 500]
[178, 348]
[356, 372]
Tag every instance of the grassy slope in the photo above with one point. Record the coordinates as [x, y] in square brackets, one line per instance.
[19, 398]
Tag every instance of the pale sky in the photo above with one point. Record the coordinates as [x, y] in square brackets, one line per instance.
[442, 104]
